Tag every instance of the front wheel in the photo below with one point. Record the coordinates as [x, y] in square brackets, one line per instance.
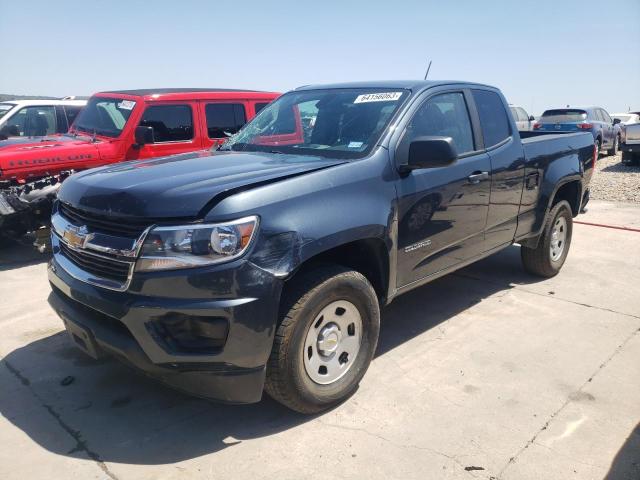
[547, 258]
[325, 341]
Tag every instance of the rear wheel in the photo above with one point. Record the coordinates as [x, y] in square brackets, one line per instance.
[325, 341]
[614, 149]
[547, 258]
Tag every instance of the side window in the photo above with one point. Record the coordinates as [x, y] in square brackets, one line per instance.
[34, 121]
[524, 116]
[72, 112]
[260, 106]
[171, 123]
[605, 116]
[493, 118]
[597, 116]
[224, 119]
[443, 115]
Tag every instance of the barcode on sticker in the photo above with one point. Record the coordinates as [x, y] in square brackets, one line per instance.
[378, 97]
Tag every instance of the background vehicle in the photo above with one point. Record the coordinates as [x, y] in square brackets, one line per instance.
[29, 118]
[628, 118]
[523, 120]
[630, 145]
[266, 264]
[605, 130]
[114, 127]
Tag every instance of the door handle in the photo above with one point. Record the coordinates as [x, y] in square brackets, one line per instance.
[477, 177]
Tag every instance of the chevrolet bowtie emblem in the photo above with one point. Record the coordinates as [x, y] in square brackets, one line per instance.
[77, 236]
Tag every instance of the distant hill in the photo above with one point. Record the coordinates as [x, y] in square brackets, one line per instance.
[5, 96]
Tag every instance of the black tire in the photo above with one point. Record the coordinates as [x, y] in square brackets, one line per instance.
[628, 158]
[598, 147]
[304, 298]
[538, 261]
[614, 149]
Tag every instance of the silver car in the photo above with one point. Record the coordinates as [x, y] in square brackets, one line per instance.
[523, 120]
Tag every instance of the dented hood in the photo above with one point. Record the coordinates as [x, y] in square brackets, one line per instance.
[181, 185]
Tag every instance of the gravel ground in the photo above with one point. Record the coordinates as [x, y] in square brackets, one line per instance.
[615, 182]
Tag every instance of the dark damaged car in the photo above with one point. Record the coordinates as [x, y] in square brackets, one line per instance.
[265, 268]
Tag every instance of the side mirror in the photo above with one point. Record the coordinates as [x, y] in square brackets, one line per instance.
[144, 135]
[616, 121]
[430, 152]
[532, 118]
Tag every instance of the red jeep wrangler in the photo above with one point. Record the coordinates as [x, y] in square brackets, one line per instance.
[114, 127]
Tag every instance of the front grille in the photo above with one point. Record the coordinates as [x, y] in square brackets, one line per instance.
[98, 266]
[119, 226]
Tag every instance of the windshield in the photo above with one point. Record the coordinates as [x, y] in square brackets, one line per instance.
[5, 108]
[564, 115]
[339, 123]
[104, 116]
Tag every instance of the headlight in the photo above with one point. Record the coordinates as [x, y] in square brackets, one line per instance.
[166, 248]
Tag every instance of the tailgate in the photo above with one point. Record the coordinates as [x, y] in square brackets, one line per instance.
[560, 127]
[632, 133]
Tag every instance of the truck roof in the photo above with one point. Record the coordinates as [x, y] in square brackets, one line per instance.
[190, 93]
[45, 102]
[414, 85]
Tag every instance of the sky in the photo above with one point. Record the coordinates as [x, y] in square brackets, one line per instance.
[541, 53]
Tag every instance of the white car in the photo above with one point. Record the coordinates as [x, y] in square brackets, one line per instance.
[30, 118]
[523, 120]
[628, 118]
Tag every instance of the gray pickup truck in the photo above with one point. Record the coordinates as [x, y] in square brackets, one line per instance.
[264, 265]
[630, 146]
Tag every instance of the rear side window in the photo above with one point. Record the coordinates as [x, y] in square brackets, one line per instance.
[443, 115]
[171, 123]
[224, 119]
[260, 106]
[33, 121]
[493, 117]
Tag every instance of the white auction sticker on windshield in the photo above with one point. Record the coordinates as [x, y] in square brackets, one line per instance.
[378, 97]
[127, 104]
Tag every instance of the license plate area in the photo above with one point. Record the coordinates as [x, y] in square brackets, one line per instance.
[83, 339]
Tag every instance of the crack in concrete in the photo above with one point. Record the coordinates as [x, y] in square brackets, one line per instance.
[81, 444]
[396, 444]
[569, 400]
[521, 288]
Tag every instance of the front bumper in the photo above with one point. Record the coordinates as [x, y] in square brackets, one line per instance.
[630, 147]
[123, 325]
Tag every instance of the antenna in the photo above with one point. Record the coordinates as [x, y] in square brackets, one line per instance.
[428, 68]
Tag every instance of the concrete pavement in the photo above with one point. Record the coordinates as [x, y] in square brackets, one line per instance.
[486, 373]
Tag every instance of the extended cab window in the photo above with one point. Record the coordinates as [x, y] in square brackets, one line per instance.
[171, 123]
[493, 117]
[224, 119]
[444, 115]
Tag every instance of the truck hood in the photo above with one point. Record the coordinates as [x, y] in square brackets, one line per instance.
[180, 186]
[27, 143]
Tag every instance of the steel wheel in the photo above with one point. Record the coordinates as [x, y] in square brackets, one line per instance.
[332, 342]
[558, 238]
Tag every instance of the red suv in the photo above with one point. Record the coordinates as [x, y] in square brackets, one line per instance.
[114, 127]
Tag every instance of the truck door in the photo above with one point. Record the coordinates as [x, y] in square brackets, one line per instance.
[607, 127]
[507, 167]
[175, 129]
[442, 211]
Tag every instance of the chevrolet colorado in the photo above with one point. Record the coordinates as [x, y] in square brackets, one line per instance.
[265, 267]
